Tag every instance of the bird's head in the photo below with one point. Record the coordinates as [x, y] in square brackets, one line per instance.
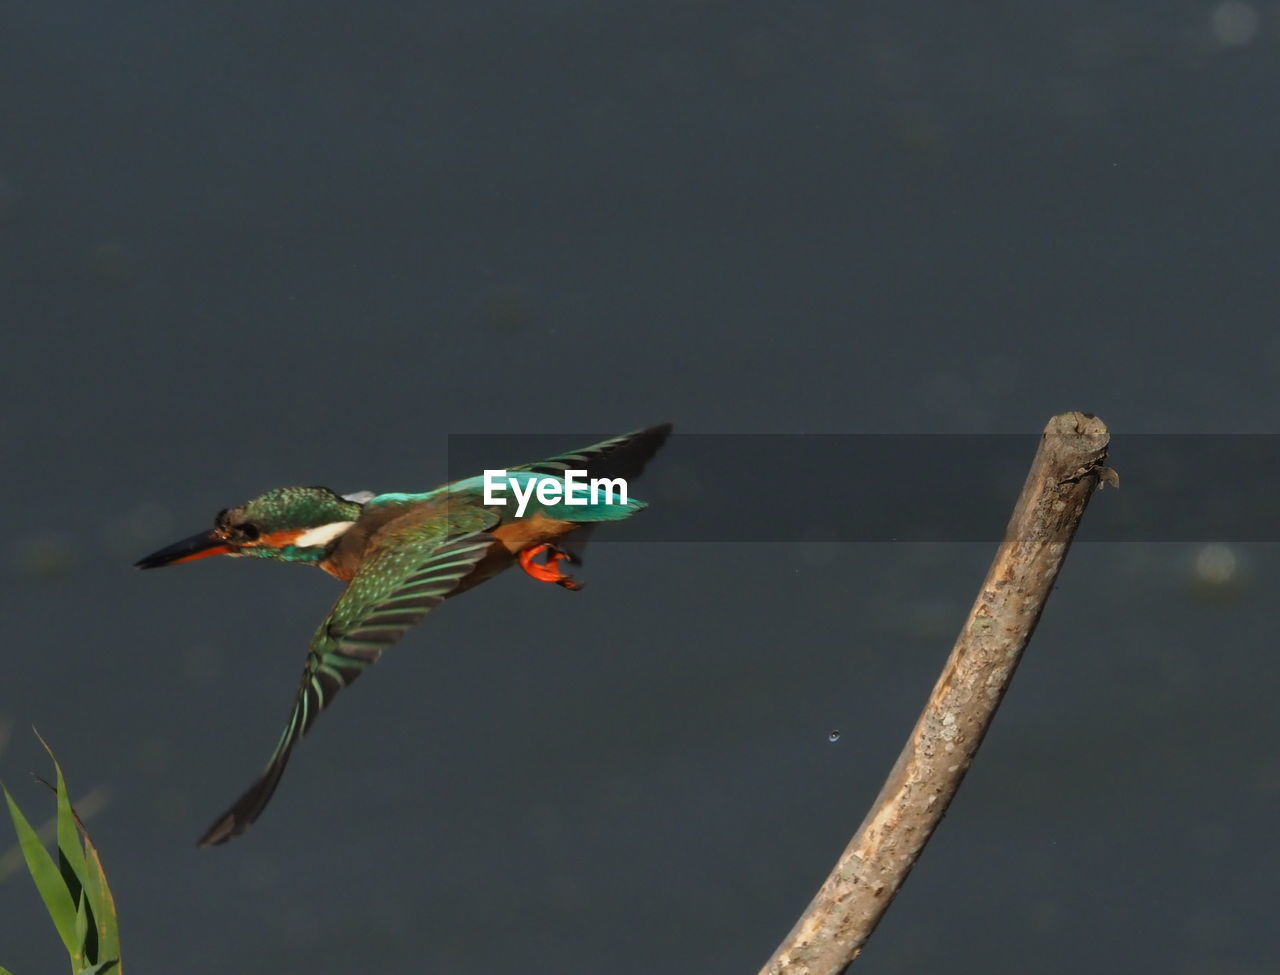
[293, 524]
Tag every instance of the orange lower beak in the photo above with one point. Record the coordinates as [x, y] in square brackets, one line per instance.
[188, 550]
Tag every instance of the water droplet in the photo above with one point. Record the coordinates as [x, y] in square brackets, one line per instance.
[834, 736]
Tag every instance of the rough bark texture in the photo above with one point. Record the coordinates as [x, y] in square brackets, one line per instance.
[1067, 468]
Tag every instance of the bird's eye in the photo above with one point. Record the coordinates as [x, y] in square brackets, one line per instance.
[248, 532]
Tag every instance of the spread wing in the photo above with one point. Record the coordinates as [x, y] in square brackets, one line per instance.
[394, 588]
[622, 456]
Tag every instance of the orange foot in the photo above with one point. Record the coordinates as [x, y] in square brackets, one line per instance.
[548, 571]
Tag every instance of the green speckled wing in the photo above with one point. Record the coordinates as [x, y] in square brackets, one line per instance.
[394, 588]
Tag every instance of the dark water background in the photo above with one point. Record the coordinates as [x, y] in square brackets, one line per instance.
[244, 246]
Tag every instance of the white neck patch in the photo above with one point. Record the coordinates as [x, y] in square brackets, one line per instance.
[323, 535]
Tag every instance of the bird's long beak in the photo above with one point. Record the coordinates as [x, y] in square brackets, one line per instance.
[188, 550]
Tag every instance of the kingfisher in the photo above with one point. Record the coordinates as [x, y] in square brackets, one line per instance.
[401, 555]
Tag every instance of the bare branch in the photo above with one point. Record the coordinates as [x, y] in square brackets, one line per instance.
[1067, 468]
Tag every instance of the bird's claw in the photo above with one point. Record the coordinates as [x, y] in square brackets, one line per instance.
[549, 570]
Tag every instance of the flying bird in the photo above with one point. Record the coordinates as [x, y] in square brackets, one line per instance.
[401, 555]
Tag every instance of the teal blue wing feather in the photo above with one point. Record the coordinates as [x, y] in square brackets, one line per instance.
[623, 456]
[394, 588]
